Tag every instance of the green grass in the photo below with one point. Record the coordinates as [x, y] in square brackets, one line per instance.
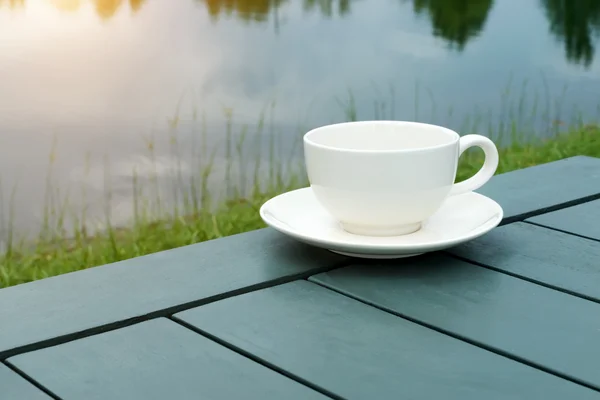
[57, 254]
[191, 213]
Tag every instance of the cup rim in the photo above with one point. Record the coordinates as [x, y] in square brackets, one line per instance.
[307, 139]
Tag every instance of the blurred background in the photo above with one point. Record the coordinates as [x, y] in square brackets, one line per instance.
[100, 95]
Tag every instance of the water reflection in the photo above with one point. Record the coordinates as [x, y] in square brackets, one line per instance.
[575, 23]
[259, 10]
[12, 3]
[456, 21]
[105, 9]
[247, 10]
[328, 7]
[187, 60]
[67, 5]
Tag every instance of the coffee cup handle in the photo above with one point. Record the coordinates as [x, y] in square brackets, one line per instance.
[489, 166]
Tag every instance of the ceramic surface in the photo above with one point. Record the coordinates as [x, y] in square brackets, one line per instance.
[460, 218]
[383, 178]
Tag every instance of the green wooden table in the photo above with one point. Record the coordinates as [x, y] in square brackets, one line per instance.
[512, 315]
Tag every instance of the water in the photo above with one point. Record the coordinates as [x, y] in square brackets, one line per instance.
[113, 82]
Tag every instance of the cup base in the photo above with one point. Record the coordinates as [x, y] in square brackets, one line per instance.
[397, 230]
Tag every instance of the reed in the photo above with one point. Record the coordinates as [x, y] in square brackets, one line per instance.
[187, 209]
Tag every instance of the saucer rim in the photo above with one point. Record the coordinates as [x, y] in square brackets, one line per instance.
[380, 248]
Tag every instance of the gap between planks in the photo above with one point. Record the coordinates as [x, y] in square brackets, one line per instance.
[464, 339]
[256, 359]
[523, 216]
[525, 278]
[165, 312]
[30, 380]
[562, 231]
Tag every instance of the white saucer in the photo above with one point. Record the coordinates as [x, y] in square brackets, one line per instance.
[460, 219]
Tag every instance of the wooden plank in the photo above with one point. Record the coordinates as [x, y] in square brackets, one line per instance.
[149, 285]
[545, 187]
[359, 352]
[164, 282]
[156, 359]
[556, 259]
[583, 220]
[14, 387]
[541, 326]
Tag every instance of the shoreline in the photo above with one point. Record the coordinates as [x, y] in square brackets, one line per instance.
[58, 254]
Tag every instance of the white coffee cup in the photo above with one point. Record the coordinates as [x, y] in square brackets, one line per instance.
[384, 178]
